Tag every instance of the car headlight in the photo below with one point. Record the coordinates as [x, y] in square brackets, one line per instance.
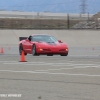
[67, 49]
[41, 49]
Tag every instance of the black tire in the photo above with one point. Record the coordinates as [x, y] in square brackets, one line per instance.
[64, 54]
[49, 54]
[25, 53]
[21, 49]
[34, 53]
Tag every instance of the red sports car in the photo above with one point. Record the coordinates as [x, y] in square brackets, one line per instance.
[43, 44]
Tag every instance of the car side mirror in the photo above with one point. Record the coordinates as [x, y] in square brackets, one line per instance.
[59, 41]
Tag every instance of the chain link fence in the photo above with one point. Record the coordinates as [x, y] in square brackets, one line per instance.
[68, 22]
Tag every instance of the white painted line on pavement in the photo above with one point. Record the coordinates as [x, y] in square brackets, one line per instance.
[33, 72]
[13, 62]
[95, 62]
[84, 55]
[70, 68]
[54, 64]
[8, 61]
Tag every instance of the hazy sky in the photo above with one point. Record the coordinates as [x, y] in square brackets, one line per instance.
[68, 6]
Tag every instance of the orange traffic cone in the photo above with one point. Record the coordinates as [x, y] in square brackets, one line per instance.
[93, 48]
[2, 50]
[8, 48]
[22, 59]
[85, 48]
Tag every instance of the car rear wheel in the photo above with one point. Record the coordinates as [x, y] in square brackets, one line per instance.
[21, 49]
[64, 54]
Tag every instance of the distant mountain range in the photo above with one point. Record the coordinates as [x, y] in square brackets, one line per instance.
[58, 6]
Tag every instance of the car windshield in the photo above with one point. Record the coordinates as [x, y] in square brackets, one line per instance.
[44, 38]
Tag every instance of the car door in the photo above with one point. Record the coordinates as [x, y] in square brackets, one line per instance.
[27, 46]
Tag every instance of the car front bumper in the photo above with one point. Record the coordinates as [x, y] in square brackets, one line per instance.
[52, 51]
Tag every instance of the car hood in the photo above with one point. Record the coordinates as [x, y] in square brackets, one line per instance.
[54, 44]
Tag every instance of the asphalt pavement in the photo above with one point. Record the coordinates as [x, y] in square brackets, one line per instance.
[72, 77]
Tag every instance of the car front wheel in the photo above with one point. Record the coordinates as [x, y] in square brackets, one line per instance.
[64, 54]
[34, 53]
[49, 54]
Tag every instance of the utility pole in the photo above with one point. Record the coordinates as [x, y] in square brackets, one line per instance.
[83, 6]
[68, 21]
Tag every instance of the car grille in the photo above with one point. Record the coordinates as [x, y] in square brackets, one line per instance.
[46, 50]
[62, 50]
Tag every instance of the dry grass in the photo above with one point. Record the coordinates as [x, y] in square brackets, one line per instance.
[35, 23]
